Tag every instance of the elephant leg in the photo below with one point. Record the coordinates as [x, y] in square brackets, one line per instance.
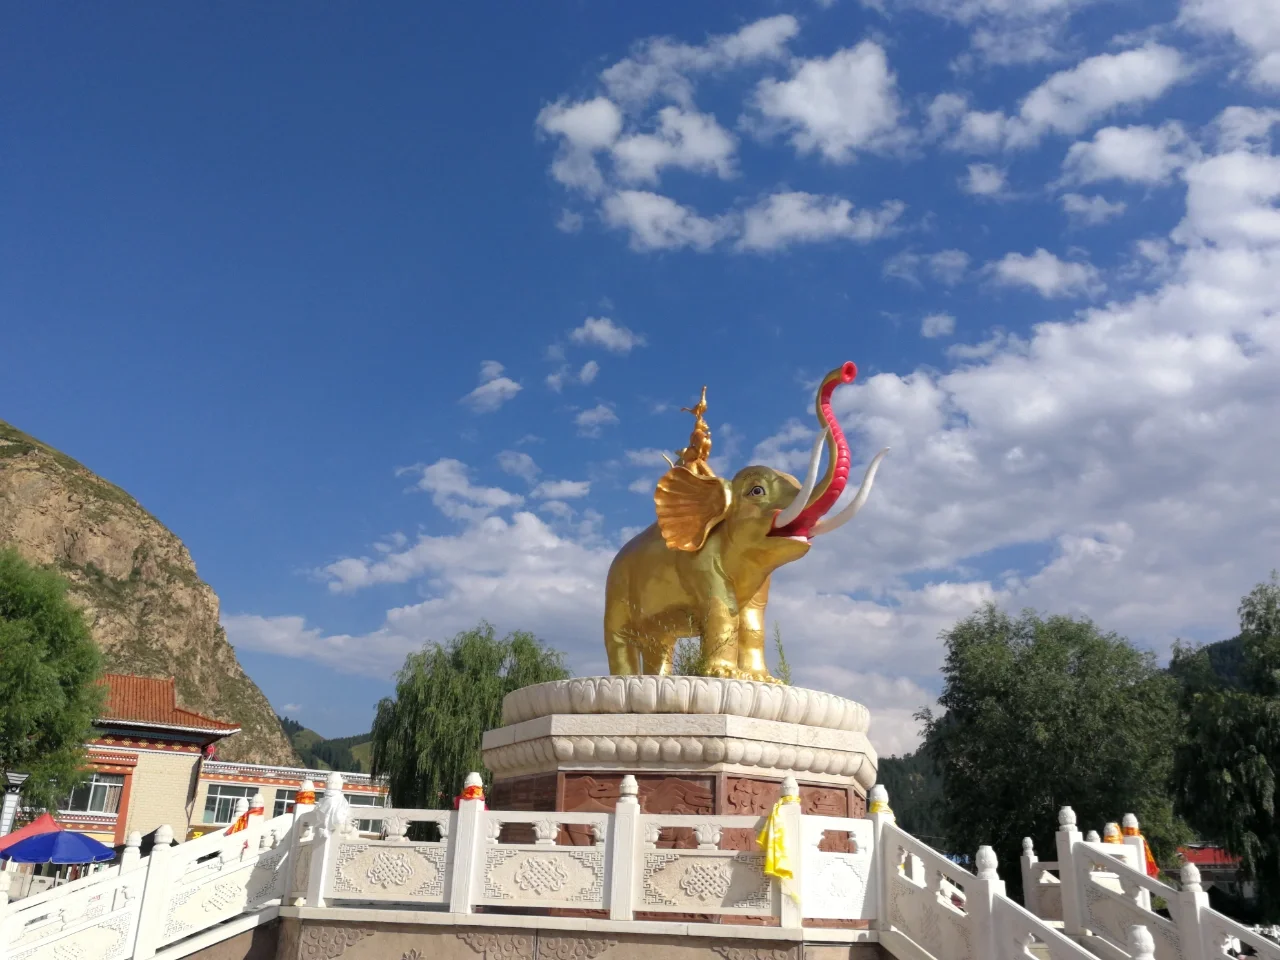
[720, 637]
[657, 660]
[751, 637]
[623, 656]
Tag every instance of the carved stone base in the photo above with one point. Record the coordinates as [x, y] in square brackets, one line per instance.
[686, 759]
[682, 725]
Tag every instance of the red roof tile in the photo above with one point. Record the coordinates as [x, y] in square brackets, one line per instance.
[155, 703]
[1208, 856]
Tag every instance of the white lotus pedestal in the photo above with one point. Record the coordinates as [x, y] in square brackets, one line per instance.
[696, 745]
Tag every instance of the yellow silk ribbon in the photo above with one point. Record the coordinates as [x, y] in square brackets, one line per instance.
[777, 853]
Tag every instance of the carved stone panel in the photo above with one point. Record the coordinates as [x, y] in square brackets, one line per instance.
[706, 883]
[109, 940]
[572, 948]
[198, 907]
[755, 953]
[939, 929]
[544, 877]
[499, 946]
[321, 942]
[390, 871]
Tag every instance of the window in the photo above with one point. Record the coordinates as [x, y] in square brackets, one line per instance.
[366, 800]
[99, 794]
[284, 802]
[220, 805]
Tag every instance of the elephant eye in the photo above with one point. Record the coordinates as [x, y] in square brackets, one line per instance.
[756, 491]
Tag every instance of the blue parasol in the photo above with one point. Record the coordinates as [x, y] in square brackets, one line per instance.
[62, 846]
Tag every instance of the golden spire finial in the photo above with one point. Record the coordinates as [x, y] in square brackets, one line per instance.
[694, 457]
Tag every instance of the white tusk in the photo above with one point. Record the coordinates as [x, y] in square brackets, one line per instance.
[810, 481]
[827, 524]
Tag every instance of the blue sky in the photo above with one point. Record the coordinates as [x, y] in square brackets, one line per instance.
[386, 311]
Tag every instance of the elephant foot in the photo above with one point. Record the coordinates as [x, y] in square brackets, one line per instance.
[760, 676]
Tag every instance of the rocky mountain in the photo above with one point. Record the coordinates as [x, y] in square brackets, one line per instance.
[148, 609]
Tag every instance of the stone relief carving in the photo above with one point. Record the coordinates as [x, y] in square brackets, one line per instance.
[224, 895]
[643, 694]
[572, 948]
[702, 883]
[569, 875]
[754, 953]
[499, 946]
[96, 942]
[706, 881]
[328, 943]
[413, 955]
[389, 870]
[362, 869]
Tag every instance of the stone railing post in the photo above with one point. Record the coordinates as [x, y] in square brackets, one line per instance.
[1067, 837]
[304, 802]
[979, 902]
[156, 890]
[132, 852]
[625, 840]
[792, 911]
[331, 814]
[1131, 836]
[1030, 878]
[883, 861]
[1142, 946]
[468, 845]
[1191, 905]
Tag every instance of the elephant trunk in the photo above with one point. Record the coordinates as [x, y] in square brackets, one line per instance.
[825, 494]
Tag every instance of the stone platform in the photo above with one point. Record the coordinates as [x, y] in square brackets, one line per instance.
[696, 745]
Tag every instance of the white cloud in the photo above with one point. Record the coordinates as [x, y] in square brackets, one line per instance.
[1146, 155]
[786, 218]
[589, 371]
[1255, 24]
[292, 708]
[569, 222]
[1245, 128]
[684, 139]
[562, 489]
[1090, 211]
[518, 464]
[984, 180]
[656, 222]
[938, 325]
[1068, 102]
[494, 389]
[1045, 273]
[603, 332]
[946, 266]
[584, 127]
[591, 421]
[1003, 32]
[449, 483]
[836, 106]
[661, 67]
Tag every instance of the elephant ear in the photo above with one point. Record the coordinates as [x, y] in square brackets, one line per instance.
[689, 506]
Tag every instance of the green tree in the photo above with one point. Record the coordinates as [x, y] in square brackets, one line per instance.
[1045, 713]
[48, 694]
[1225, 770]
[916, 796]
[426, 738]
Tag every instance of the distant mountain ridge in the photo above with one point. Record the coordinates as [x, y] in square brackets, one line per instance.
[147, 608]
[350, 754]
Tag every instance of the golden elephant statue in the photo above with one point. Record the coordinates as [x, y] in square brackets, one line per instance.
[703, 569]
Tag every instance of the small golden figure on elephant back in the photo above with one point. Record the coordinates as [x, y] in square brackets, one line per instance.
[703, 569]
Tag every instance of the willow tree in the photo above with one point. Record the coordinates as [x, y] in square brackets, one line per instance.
[48, 672]
[426, 738]
[1228, 767]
